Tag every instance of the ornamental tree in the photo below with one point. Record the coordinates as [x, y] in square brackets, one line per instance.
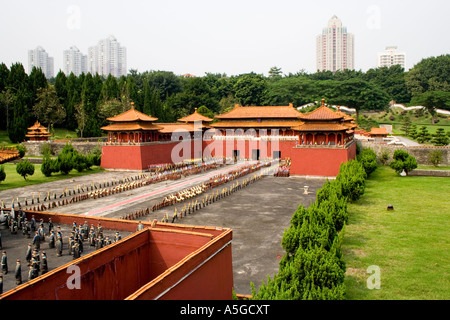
[403, 161]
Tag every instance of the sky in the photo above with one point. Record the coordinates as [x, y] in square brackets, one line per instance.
[229, 37]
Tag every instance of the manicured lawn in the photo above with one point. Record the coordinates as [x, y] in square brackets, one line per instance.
[440, 167]
[14, 180]
[410, 245]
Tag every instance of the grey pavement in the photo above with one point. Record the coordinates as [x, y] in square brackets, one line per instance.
[408, 142]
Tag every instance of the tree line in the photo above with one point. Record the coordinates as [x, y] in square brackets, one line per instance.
[83, 103]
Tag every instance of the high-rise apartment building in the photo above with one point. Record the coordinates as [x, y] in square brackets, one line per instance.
[39, 58]
[334, 47]
[74, 61]
[107, 57]
[391, 57]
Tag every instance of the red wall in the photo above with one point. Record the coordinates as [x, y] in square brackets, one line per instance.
[206, 274]
[307, 160]
[139, 157]
[316, 161]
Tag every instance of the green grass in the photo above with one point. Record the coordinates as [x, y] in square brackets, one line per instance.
[58, 134]
[440, 167]
[14, 180]
[382, 117]
[410, 245]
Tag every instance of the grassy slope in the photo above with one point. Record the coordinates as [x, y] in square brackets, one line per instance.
[14, 180]
[411, 244]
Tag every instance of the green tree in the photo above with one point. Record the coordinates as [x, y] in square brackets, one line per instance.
[430, 74]
[403, 161]
[2, 173]
[250, 89]
[352, 177]
[89, 99]
[432, 100]
[435, 157]
[423, 135]
[440, 138]
[66, 159]
[358, 94]
[275, 73]
[413, 131]
[49, 165]
[204, 111]
[48, 108]
[391, 80]
[18, 126]
[73, 88]
[406, 125]
[25, 168]
[368, 158]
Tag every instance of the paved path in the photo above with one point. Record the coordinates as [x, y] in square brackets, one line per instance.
[408, 142]
[172, 187]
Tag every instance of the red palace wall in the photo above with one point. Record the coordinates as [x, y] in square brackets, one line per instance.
[307, 160]
[316, 161]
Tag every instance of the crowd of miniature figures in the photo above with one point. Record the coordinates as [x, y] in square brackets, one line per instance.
[96, 190]
[17, 222]
[283, 169]
[187, 195]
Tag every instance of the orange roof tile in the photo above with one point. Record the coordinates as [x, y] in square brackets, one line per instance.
[171, 127]
[132, 115]
[378, 131]
[136, 126]
[37, 126]
[195, 117]
[255, 124]
[275, 112]
[321, 113]
[320, 127]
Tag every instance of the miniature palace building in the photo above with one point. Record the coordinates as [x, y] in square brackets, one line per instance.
[37, 133]
[316, 142]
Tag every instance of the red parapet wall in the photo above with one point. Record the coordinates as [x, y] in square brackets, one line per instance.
[164, 261]
[320, 161]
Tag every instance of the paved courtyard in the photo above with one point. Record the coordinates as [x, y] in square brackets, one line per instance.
[258, 214]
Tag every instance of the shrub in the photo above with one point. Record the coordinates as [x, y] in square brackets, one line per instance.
[403, 161]
[435, 157]
[352, 177]
[368, 158]
[46, 149]
[65, 159]
[25, 168]
[79, 162]
[440, 138]
[22, 150]
[49, 166]
[383, 157]
[2, 173]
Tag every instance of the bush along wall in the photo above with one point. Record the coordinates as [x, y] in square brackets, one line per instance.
[313, 267]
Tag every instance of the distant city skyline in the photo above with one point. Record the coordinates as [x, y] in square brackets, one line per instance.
[39, 58]
[391, 57]
[232, 37]
[335, 47]
[108, 57]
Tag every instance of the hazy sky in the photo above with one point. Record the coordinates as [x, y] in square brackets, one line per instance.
[232, 37]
